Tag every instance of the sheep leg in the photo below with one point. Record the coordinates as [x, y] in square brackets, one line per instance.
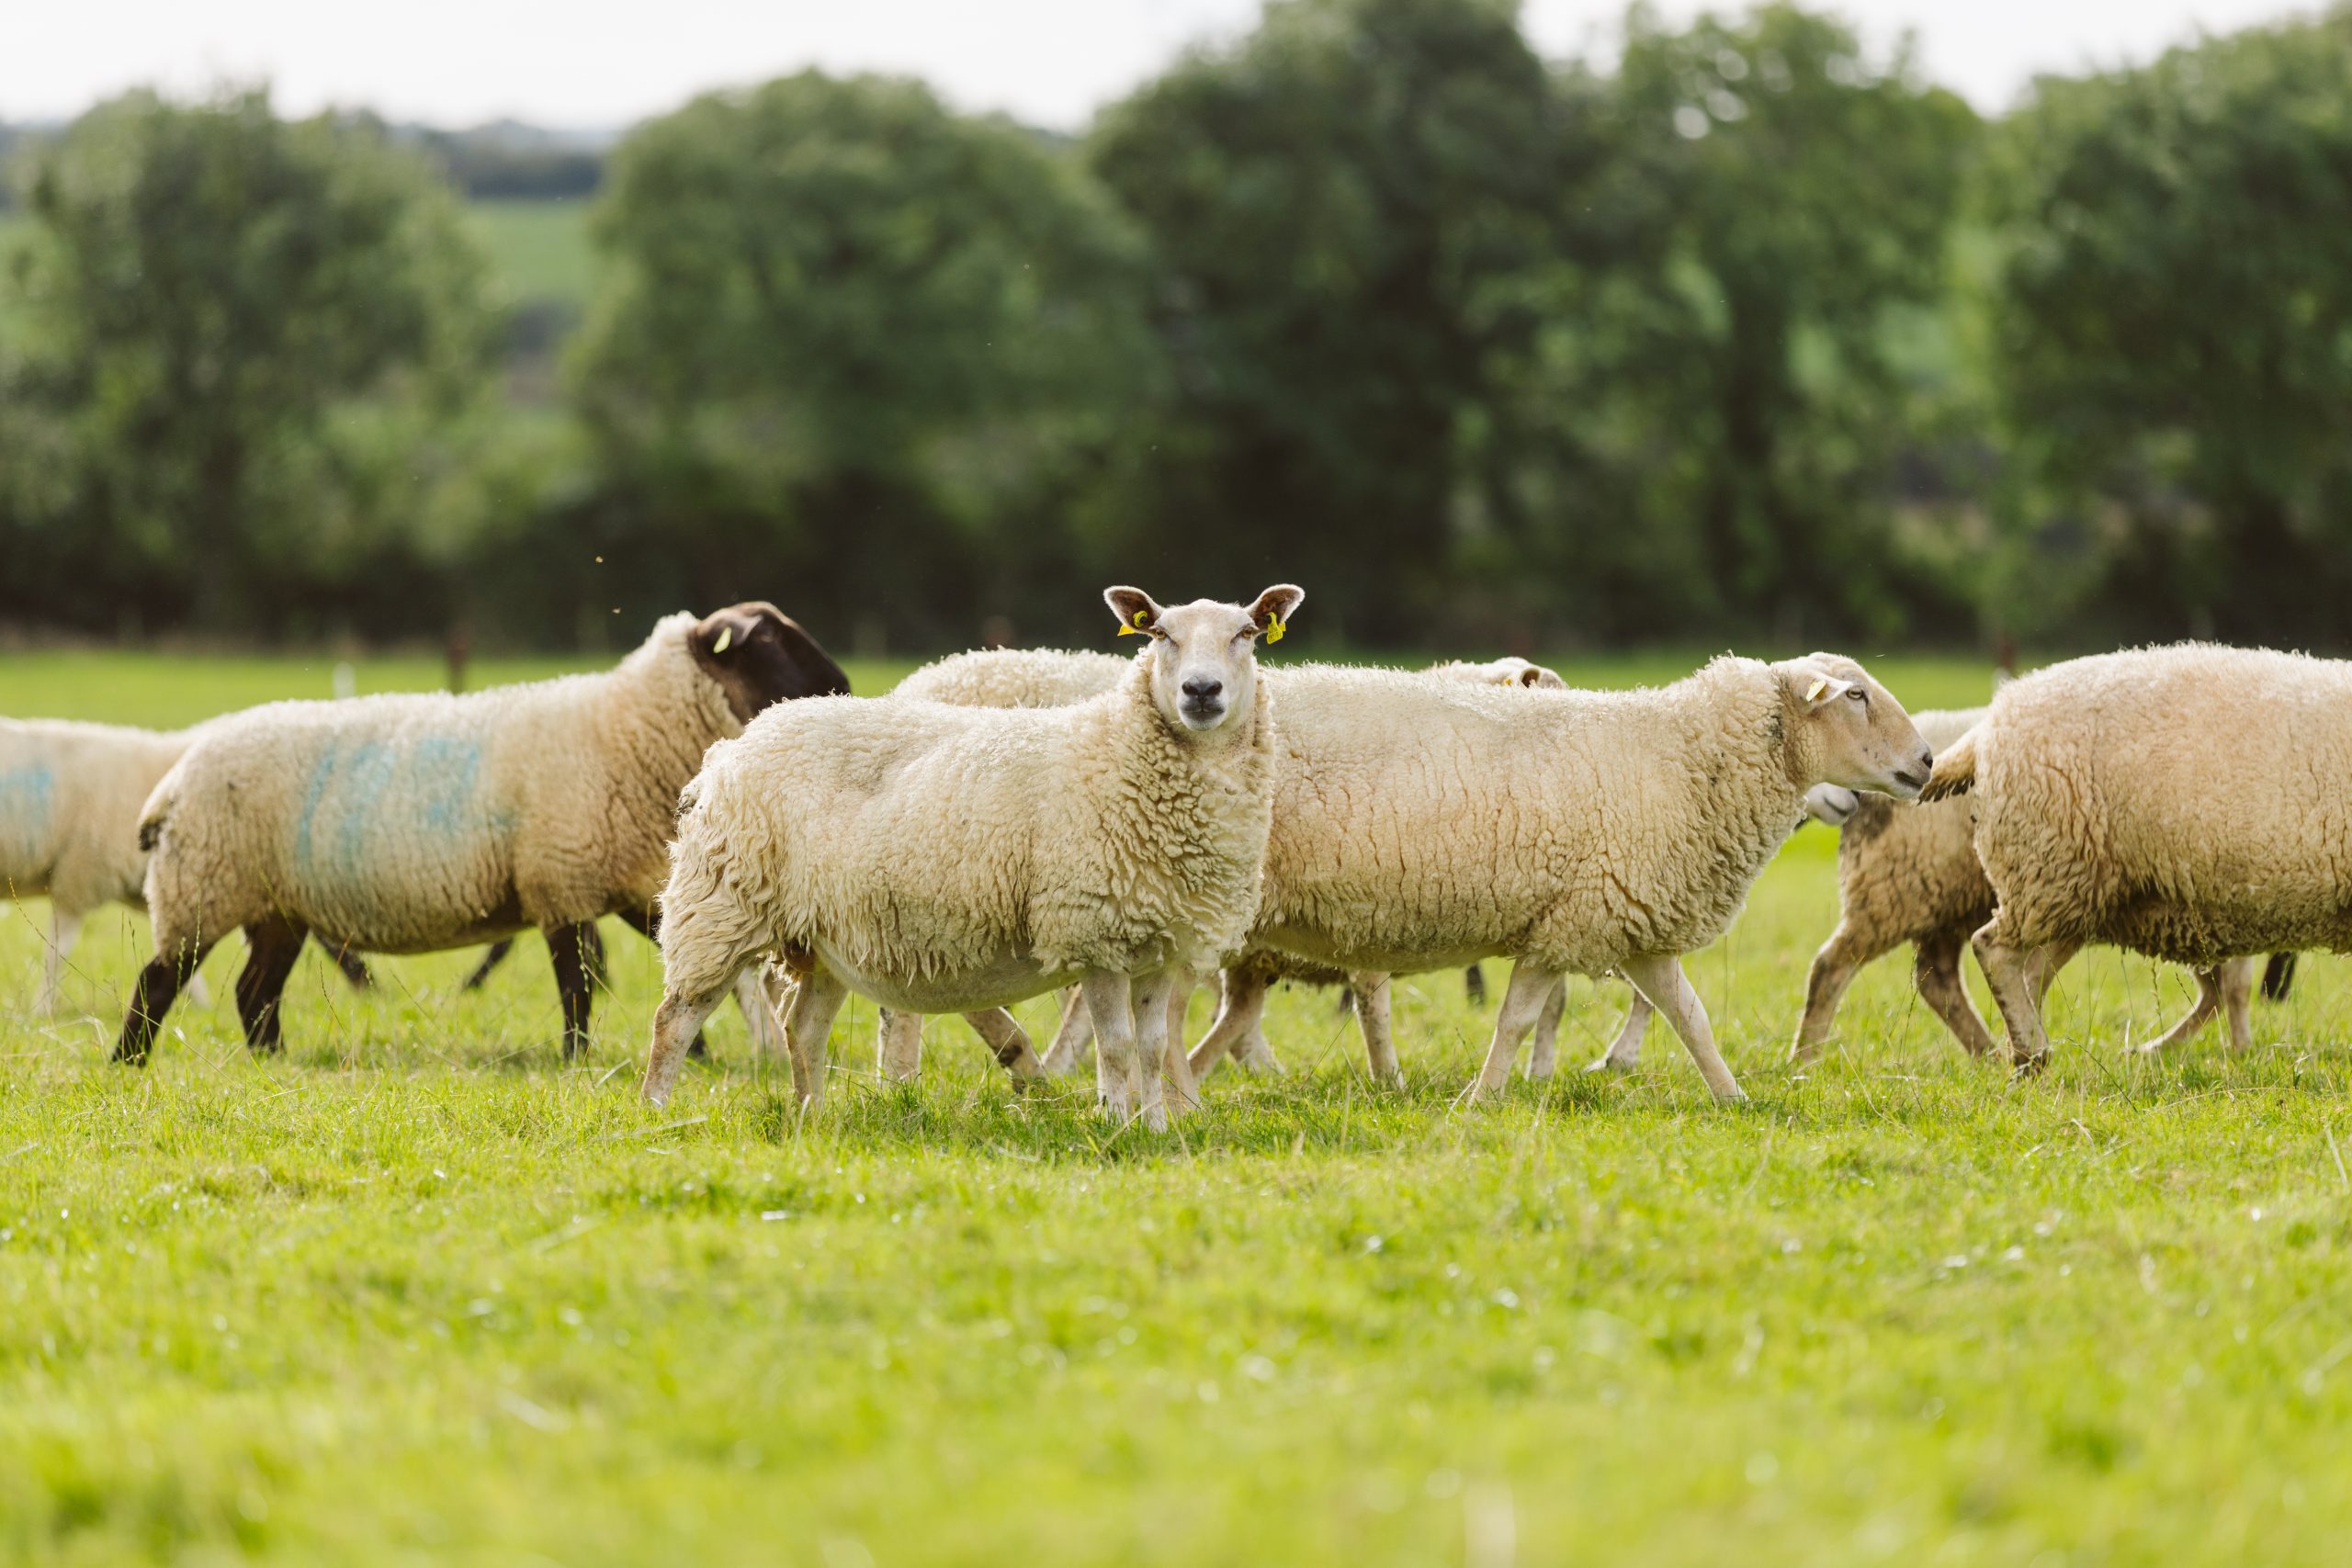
[2208, 998]
[1474, 986]
[1660, 978]
[1935, 972]
[1071, 1038]
[2237, 998]
[274, 945]
[2277, 977]
[2012, 973]
[1238, 1010]
[2045, 972]
[1544, 1056]
[199, 993]
[1372, 1018]
[898, 1045]
[1624, 1053]
[490, 960]
[565, 946]
[1253, 1053]
[1834, 968]
[1110, 1001]
[1166, 1086]
[810, 1031]
[354, 969]
[63, 931]
[1009, 1042]
[647, 923]
[159, 983]
[760, 1013]
[1523, 1001]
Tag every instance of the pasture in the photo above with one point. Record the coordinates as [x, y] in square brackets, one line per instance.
[418, 1289]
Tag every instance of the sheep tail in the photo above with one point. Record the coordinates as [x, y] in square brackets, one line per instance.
[1955, 771]
[2277, 977]
[158, 810]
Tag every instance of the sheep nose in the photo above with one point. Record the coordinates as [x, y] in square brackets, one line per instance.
[1927, 761]
[1201, 689]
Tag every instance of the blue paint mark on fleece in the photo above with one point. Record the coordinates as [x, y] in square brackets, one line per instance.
[422, 791]
[25, 800]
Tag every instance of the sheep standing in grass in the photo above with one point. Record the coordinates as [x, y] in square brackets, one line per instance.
[1052, 677]
[944, 858]
[412, 823]
[1909, 873]
[69, 796]
[1421, 825]
[2160, 800]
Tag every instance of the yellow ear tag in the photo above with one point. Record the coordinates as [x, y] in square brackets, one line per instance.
[1273, 628]
[1813, 693]
[726, 637]
[1141, 616]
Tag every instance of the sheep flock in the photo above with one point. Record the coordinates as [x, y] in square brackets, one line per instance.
[1124, 830]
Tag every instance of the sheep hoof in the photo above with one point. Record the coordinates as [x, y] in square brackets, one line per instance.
[2030, 1066]
[1609, 1064]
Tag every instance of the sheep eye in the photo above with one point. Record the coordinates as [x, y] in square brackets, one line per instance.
[1859, 696]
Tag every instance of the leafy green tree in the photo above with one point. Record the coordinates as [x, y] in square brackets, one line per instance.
[1338, 207]
[852, 342]
[1808, 192]
[2173, 335]
[225, 316]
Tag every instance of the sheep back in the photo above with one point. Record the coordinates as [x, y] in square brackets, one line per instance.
[412, 822]
[2184, 802]
[1423, 823]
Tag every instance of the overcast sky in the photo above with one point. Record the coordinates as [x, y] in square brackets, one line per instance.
[579, 63]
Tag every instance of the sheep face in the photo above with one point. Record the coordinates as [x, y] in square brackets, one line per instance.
[1203, 655]
[760, 656]
[1849, 730]
[1826, 803]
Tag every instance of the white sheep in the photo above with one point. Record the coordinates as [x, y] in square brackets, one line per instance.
[416, 822]
[944, 858]
[1908, 874]
[1419, 825]
[1051, 677]
[69, 796]
[2160, 800]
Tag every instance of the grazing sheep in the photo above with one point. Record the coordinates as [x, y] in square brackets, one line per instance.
[944, 859]
[1908, 874]
[413, 823]
[1419, 825]
[2101, 816]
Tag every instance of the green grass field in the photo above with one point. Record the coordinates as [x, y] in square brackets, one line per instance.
[538, 250]
[419, 1292]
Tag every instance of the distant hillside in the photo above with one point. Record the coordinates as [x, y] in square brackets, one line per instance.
[505, 160]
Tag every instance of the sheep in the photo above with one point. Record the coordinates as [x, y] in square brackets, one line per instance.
[417, 822]
[1908, 874]
[1050, 677]
[958, 858]
[2101, 816]
[1419, 825]
[69, 796]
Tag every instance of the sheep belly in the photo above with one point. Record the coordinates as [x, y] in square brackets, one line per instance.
[1006, 976]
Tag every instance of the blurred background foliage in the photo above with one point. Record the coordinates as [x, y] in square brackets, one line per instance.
[1743, 333]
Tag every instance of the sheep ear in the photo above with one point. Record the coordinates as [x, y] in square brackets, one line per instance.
[723, 632]
[1820, 690]
[1272, 611]
[1138, 615]
[1531, 676]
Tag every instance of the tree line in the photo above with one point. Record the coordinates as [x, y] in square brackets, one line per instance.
[1752, 335]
